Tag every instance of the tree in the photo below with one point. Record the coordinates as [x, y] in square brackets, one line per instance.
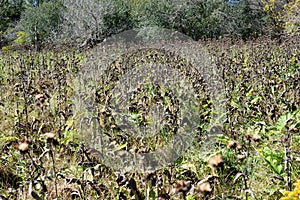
[284, 15]
[10, 14]
[41, 21]
[92, 19]
[245, 19]
[291, 17]
[215, 18]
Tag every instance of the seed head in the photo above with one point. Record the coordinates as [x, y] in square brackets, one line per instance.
[204, 187]
[216, 160]
[241, 157]
[23, 147]
[248, 137]
[239, 147]
[232, 144]
[181, 186]
[40, 97]
[256, 138]
[50, 138]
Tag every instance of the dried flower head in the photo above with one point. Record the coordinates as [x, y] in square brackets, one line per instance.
[23, 147]
[121, 153]
[232, 144]
[239, 147]
[256, 138]
[40, 97]
[248, 137]
[241, 157]
[216, 160]
[50, 138]
[294, 130]
[204, 187]
[181, 186]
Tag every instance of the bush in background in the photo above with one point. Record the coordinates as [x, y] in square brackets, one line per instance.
[198, 19]
[284, 16]
[40, 23]
[74, 21]
[94, 19]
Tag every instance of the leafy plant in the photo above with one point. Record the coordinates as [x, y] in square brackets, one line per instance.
[275, 160]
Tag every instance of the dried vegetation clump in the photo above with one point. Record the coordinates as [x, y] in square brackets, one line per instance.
[256, 155]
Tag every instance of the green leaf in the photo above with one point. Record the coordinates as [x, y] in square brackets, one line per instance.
[297, 125]
[282, 121]
[190, 197]
[69, 124]
[121, 146]
[234, 104]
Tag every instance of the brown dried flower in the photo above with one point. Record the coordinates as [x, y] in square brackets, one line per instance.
[50, 138]
[40, 97]
[241, 156]
[216, 160]
[239, 147]
[204, 187]
[181, 186]
[23, 147]
[232, 144]
[256, 138]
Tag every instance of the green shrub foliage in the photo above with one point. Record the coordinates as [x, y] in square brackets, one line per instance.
[41, 22]
[198, 19]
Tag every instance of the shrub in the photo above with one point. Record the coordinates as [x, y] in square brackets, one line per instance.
[22, 37]
[42, 22]
[284, 15]
[197, 19]
[94, 19]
